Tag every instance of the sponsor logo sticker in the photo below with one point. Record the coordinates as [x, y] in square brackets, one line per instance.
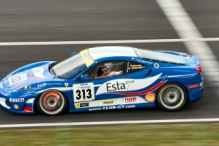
[16, 106]
[16, 99]
[77, 105]
[95, 109]
[38, 72]
[130, 99]
[84, 104]
[41, 85]
[86, 57]
[17, 78]
[108, 102]
[150, 97]
[136, 66]
[66, 84]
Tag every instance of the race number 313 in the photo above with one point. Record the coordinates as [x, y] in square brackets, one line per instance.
[83, 92]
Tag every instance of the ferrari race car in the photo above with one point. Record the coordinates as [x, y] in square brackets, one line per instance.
[104, 78]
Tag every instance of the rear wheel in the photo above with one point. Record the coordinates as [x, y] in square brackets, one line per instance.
[52, 103]
[172, 97]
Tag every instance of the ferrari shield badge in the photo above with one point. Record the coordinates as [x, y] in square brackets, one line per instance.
[66, 84]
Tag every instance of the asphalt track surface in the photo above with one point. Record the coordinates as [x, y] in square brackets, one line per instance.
[85, 20]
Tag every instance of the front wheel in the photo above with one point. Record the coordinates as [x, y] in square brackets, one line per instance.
[172, 97]
[52, 103]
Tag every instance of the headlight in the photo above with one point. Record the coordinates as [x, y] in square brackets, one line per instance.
[23, 88]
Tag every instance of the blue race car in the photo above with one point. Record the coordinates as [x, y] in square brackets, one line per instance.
[104, 78]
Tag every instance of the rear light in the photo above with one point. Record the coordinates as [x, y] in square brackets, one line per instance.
[189, 54]
[199, 69]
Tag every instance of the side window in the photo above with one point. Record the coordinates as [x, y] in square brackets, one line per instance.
[106, 70]
[134, 67]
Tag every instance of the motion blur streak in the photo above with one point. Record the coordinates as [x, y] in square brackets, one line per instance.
[186, 29]
[106, 42]
[109, 123]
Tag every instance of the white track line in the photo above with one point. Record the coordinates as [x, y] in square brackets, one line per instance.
[106, 42]
[109, 123]
[186, 29]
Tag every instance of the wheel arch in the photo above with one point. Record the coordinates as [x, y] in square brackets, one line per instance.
[37, 98]
[170, 83]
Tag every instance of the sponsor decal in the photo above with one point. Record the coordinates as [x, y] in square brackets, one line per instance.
[143, 61]
[95, 109]
[38, 72]
[77, 105]
[17, 78]
[136, 66]
[16, 99]
[108, 102]
[66, 84]
[115, 87]
[41, 85]
[150, 97]
[130, 99]
[84, 104]
[86, 57]
[127, 85]
[53, 83]
[112, 107]
[193, 86]
[16, 106]
[156, 65]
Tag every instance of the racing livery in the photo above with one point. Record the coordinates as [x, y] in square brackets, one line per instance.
[104, 78]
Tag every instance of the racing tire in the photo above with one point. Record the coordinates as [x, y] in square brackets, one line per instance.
[172, 97]
[52, 103]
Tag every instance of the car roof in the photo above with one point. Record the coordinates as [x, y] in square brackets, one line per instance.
[116, 51]
[111, 51]
[160, 56]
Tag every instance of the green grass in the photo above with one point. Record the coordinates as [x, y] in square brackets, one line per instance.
[206, 134]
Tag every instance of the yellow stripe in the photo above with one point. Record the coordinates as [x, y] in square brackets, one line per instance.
[86, 57]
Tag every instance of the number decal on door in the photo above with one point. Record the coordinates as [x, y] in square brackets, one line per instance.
[83, 92]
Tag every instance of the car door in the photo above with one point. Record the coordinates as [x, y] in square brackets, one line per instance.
[103, 84]
[141, 82]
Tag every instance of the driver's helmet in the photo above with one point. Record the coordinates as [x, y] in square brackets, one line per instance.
[107, 67]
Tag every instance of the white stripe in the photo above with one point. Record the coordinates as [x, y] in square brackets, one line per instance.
[58, 88]
[30, 100]
[107, 42]
[109, 123]
[97, 85]
[186, 29]
[172, 76]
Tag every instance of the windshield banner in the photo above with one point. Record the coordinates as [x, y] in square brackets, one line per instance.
[86, 57]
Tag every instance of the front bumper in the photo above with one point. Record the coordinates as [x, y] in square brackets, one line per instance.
[17, 104]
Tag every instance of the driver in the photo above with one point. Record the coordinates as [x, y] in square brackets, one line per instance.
[108, 71]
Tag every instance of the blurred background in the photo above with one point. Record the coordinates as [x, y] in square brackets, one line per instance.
[178, 22]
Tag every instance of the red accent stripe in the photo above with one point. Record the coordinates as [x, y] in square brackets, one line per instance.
[143, 92]
[34, 78]
[27, 109]
[193, 86]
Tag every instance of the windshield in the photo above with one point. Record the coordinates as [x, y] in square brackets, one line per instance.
[70, 67]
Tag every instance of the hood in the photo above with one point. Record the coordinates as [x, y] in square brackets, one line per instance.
[28, 75]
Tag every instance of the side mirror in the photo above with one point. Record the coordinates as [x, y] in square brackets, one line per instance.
[84, 78]
[72, 54]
